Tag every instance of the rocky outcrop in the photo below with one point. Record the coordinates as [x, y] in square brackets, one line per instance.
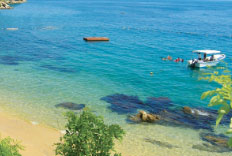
[4, 5]
[15, 1]
[196, 112]
[142, 116]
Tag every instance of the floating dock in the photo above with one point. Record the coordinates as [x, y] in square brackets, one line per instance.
[96, 39]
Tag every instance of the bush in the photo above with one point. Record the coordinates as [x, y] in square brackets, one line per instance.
[9, 147]
[221, 96]
[87, 135]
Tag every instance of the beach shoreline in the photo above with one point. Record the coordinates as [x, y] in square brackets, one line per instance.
[37, 139]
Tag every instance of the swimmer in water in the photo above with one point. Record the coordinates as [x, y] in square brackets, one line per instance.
[167, 58]
[177, 60]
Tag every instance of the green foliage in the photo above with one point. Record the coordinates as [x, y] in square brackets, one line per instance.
[87, 135]
[221, 96]
[9, 147]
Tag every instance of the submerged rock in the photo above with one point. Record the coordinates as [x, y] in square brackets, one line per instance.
[219, 140]
[176, 117]
[13, 60]
[142, 116]
[197, 112]
[71, 105]
[157, 104]
[210, 148]
[160, 143]
[59, 69]
[123, 104]
[216, 143]
[164, 110]
[204, 117]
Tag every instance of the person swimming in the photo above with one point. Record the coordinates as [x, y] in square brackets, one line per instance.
[179, 60]
[167, 58]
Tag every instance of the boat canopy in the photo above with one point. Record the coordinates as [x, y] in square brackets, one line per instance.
[207, 51]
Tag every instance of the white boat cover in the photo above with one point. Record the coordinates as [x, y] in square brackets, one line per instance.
[207, 51]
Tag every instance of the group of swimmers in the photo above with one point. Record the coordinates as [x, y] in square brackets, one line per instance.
[169, 58]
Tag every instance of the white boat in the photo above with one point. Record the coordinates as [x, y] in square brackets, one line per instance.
[210, 58]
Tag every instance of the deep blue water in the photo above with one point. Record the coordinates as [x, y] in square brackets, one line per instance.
[47, 58]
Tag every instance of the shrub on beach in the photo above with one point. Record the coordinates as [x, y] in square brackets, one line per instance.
[88, 135]
[9, 147]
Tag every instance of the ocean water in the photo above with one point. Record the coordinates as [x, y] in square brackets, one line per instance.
[46, 62]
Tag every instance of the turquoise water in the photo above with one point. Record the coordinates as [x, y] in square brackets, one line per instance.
[46, 61]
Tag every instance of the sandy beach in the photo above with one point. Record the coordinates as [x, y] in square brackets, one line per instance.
[37, 139]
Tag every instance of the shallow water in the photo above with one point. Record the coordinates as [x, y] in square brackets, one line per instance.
[45, 62]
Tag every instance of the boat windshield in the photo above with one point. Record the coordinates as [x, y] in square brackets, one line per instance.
[199, 56]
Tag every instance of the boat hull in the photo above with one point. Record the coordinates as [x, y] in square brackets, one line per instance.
[201, 63]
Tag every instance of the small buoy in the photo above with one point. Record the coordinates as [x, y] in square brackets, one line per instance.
[151, 73]
[96, 39]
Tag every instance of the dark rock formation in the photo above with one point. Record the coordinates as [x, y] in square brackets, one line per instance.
[165, 110]
[123, 104]
[177, 117]
[13, 60]
[71, 105]
[157, 104]
[210, 148]
[142, 116]
[219, 140]
[216, 143]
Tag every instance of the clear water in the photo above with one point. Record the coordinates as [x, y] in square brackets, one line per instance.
[46, 61]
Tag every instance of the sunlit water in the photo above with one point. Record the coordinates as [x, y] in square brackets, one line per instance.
[46, 62]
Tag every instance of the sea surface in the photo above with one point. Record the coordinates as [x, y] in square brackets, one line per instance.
[46, 62]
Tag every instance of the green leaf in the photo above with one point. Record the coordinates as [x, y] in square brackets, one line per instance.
[208, 93]
[231, 123]
[230, 142]
[214, 100]
[226, 71]
[219, 118]
[229, 131]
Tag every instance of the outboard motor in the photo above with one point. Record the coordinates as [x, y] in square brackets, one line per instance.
[192, 62]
